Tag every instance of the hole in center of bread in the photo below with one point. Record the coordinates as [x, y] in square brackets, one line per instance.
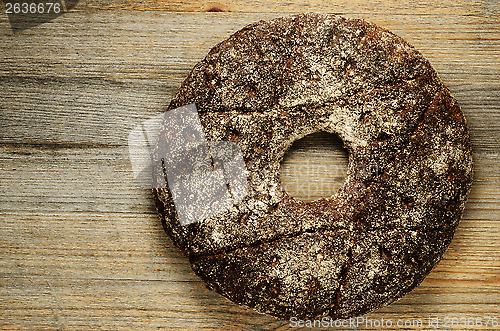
[314, 167]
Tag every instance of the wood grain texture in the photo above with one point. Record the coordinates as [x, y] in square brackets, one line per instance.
[81, 246]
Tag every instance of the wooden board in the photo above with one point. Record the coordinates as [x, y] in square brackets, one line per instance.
[81, 245]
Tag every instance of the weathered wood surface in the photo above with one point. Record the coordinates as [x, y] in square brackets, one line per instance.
[81, 246]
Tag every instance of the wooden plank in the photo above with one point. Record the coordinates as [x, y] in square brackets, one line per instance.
[81, 244]
[423, 7]
[75, 224]
[100, 180]
[91, 86]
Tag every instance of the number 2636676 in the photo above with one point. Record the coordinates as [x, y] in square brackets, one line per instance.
[32, 8]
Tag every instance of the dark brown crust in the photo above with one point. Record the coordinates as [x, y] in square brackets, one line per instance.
[410, 167]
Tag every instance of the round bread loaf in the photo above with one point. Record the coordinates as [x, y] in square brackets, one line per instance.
[409, 173]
